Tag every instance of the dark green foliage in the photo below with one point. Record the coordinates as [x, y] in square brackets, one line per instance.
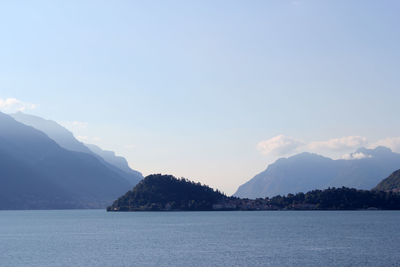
[165, 192]
[338, 199]
[392, 183]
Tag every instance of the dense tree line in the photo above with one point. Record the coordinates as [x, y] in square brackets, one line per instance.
[338, 199]
[165, 192]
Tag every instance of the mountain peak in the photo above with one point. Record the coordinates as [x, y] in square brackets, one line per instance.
[307, 171]
[301, 156]
[379, 150]
[308, 155]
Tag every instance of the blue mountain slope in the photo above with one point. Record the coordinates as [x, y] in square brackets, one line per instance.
[52, 129]
[119, 162]
[306, 171]
[66, 139]
[36, 173]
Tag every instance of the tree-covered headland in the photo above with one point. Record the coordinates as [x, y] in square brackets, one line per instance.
[166, 193]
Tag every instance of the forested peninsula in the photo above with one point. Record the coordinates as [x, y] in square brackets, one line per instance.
[166, 193]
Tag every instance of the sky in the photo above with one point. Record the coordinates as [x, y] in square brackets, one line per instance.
[213, 91]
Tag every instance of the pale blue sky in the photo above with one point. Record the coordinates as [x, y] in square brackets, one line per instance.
[191, 87]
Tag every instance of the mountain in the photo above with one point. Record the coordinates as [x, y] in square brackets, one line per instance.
[165, 192]
[66, 139]
[306, 171]
[391, 183]
[55, 131]
[119, 162]
[37, 173]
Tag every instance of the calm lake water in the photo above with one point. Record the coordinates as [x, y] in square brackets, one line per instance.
[265, 238]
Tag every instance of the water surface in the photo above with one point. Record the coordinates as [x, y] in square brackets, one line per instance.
[264, 238]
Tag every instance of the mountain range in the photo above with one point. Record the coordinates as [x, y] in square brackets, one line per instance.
[307, 171]
[66, 139]
[44, 167]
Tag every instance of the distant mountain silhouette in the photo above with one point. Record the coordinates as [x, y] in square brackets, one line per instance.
[306, 171]
[119, 162]
[391, 183]
[37, 173]
[52, 129]
[66, 139]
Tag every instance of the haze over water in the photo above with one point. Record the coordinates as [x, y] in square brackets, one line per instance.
[281, 238]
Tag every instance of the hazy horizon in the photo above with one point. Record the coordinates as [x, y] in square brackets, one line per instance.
[211, 91]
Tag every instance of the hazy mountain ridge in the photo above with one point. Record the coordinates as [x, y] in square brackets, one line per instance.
[53, 130]
[37, 173]
[306, 171]
[66, 139]
[119, 162]
[65, 178]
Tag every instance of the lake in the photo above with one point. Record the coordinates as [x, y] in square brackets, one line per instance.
[259, 238]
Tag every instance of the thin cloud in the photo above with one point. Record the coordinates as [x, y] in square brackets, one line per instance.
[13, 105]
[75, 125]
[282, 145]
[82, 138]
[339, 144]
[88, 140]
[279, 145]
[391, 142]
[357, 155]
